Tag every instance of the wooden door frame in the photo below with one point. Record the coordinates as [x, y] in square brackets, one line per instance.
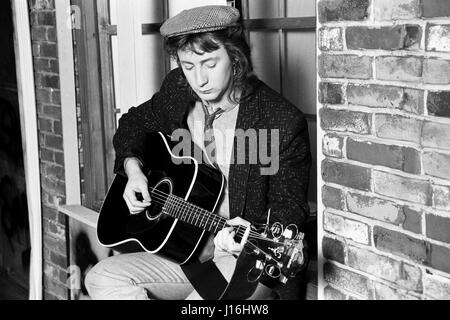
[30, 144]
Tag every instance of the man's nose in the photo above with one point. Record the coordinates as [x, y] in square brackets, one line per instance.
[201, 77]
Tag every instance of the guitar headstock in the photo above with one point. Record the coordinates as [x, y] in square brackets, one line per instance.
[280, 252]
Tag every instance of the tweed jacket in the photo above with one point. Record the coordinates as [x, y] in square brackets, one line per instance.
[251, 194]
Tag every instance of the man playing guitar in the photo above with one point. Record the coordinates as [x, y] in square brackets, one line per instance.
[211, 99]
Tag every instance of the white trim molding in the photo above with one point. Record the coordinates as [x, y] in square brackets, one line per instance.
[30, 145]
[68, 101]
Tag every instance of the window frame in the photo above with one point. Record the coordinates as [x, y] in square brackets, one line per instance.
[95, 85]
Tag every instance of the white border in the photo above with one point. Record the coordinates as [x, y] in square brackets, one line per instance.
[28, 123]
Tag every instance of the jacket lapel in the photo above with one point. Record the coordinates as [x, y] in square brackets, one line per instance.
[248, 115]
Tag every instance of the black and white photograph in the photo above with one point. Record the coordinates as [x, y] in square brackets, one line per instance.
[233, 157]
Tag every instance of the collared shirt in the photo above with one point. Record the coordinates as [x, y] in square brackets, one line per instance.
[224, 128]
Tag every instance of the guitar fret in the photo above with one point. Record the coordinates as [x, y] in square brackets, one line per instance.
[192, 214]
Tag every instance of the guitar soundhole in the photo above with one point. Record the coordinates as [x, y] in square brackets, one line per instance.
[159, 195]
[144, 221]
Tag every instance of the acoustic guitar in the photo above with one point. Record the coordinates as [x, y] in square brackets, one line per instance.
[181, 217]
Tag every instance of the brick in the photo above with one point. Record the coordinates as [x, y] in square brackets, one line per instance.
[413, 220]
[345, 121]
[42, 4]
[439, 258]
[380, 96]
[46, 155]
[396, 10]
[333, 249]
[56, 96]
[436, 287]
[375, 208]
[347, 228]
[45, 65]
[43, 95]
[436, 164]
[398, 128]
[57, 245]
[332, 198]
[351, 281]
[435, 8]
[400, 244]
[49, 213]
[411, 277]
[330, 39]
[384, 292]
[59, 158]
[53, 142]
[331, 93]
[331, 293]
[399, 68]
[441, 197]
[408, 189]
[54, 171]
[332, 145]
[52, 199]
[58, 259]
[54, 229]
[48, 50]
[345, 66]
[49, 81]
[52, 111]
[38, 33]
[57, 127]
[55, 288]
[438, 38]
[374, 264]
[51, 34]
[438, 103]
[438, 227]
[386, 38]
[340, 10]
[345, 174]
[385, 268]
[396, 157]
[435, 135]
[51, 271]
[436, 71]
[45, 125]
[45, 18]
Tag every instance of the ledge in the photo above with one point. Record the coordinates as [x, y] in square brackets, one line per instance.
[80, 213]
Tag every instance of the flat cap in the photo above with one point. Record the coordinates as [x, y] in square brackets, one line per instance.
[200, 19]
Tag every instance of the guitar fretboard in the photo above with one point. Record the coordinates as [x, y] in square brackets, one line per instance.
[178, 208]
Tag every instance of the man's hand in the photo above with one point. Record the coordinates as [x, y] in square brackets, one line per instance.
[224, 239]
[137, 183]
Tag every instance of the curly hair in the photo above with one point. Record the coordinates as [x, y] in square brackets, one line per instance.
[234, 41]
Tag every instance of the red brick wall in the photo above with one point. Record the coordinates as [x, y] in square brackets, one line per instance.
[48, 99]
[384, 92]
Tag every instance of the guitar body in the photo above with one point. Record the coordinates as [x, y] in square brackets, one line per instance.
[152, 230]
[181, 218]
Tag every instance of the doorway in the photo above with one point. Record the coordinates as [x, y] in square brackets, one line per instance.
[14, 224]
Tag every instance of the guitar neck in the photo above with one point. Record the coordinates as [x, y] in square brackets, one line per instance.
[178, 208]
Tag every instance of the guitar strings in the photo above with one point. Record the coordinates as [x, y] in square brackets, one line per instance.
[204, 212]
[182, 203]
[246, 244]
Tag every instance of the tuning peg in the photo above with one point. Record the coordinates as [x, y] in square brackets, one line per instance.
[290, 232]
[272, 271]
